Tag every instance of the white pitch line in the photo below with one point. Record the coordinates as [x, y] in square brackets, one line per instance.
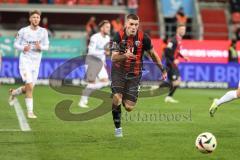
[21, 117]
[10, 130]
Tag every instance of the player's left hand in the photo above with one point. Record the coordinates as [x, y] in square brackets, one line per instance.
[107, 52]
[164, 75]
[37, 46]
[176, 62]
[107, 49]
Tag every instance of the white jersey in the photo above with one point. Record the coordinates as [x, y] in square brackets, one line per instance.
[27, 36]
[29, 62]
[97, 46]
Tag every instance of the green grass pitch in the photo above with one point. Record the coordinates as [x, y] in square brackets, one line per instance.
[145, 137]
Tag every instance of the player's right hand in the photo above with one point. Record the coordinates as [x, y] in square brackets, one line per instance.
[26, 48]
[37, 46]
[176, 61]
[164, 75]
[129, 54]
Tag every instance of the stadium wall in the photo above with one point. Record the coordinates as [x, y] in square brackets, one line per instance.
[208, 66]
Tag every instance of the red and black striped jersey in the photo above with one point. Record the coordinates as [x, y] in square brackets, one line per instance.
[172, 51]
[140, 43]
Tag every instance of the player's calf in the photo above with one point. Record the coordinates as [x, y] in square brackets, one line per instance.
[29, 100]
[13, 93]
[238, 93]
[29, 90]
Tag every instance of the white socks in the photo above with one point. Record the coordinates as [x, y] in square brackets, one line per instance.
[227, 97]
[17, 91]
[29, 104]
[84, 99]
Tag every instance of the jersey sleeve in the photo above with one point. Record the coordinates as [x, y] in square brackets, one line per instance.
[18, 43]
[45, 42]
[147, 43]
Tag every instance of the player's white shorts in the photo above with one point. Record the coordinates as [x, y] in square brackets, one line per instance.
[238, 84]
[93, 70]
[103, 73]
[29, 69]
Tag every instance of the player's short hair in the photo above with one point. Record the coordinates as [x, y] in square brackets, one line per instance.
[35, 12]
[132, 16]
[102, 23]
[181, 25]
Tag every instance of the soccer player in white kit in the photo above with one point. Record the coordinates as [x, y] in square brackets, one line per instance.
[31, 41]
[96, 49]
[229, 96]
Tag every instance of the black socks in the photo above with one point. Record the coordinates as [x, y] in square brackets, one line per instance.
[172, 91]
[116, 113]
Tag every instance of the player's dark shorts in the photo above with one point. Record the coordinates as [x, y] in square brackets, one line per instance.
[126, 84]
[173, 74]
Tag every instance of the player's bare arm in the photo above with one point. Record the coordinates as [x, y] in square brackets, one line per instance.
[184, 57]
[158, 62]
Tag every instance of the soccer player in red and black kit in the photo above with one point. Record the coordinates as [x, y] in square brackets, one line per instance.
[172, 55]
[127, 68]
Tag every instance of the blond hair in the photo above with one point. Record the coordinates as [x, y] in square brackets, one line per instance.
[35, 12]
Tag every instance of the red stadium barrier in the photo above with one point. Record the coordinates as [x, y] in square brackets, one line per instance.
[59, 1]
[89, 2]
[107, 2]
[207, 51]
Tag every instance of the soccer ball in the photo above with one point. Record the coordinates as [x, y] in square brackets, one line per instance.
[206, 142]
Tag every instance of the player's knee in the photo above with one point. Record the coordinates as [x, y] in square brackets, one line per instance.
[129, 105]
[238, 93]
[29, 87]
[117, 99]
[129, 108]
[23, 90]
[177, 82]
